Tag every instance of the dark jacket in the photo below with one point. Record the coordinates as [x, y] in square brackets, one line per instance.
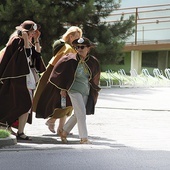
[14, 95]
[62, 78]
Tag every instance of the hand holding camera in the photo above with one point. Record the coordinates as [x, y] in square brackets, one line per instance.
[37, 34]
[19, 33]
[23, 34]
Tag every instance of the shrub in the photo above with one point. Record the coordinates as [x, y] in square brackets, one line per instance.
[4, 133]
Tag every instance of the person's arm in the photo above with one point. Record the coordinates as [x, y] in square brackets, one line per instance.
[36, 41]
[26, 41]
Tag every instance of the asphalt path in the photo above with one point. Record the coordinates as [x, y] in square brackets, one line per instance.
[129, 131]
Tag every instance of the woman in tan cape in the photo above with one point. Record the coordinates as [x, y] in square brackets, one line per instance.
[70, 35]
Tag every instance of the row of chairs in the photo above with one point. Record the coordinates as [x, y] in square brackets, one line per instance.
[159, 78]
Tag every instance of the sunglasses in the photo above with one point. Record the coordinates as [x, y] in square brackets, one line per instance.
[82, 47]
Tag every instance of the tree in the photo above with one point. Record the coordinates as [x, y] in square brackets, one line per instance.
[55, 16]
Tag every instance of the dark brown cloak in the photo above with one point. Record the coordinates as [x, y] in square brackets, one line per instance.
[62, 77]
[14, 96]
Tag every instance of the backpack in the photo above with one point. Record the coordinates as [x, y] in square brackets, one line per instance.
[58, 44]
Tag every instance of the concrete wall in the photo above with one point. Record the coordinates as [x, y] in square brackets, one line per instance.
[133, 60]
[136, 61]
[163, 60]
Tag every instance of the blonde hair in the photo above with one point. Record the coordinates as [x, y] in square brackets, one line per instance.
[14, 34]
[71, 31]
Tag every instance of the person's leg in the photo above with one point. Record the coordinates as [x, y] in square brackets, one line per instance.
[62, 120]
[61, 124]
[79, 103]
[70, 124]
[67, 128]
[51, 124]
[60, 114]
[22, 122]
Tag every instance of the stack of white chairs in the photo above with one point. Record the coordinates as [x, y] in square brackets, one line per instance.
[167, 73]
[151, 81]
[111, 79]
[106, 83]
[139, 80]
[162, 80]
[127, 81]
[115, 81]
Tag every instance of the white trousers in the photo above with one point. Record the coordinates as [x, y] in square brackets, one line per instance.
[79, 105]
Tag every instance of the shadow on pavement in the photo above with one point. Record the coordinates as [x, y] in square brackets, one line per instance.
[48, 139]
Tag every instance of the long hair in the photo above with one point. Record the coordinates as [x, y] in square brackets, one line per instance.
[14, 34]
[72, 30]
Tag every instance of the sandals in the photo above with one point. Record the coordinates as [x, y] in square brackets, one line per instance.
[51, 126]
[62, 136]
[22, 136]
[85, 141]
[59, 130]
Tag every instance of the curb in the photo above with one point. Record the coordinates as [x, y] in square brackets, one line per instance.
[11, 140]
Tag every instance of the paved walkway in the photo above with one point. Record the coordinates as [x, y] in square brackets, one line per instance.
[134, 117]
[129, 131]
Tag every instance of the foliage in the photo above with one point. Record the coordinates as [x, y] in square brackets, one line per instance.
[4, 133]
[55, 16]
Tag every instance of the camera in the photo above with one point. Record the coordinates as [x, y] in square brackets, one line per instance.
[19, 33]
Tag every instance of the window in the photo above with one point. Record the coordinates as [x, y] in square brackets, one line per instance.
[150, 59]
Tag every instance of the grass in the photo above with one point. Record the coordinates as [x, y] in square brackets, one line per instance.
[4, 133]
